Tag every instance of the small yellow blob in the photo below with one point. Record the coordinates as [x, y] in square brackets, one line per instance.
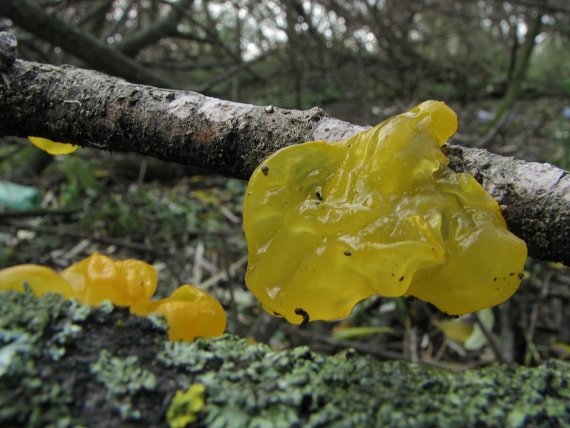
[329, 224]
[52, 147]
[189, 311]
[96, 279]
[139, 278]
[40, 279]
[185, 406]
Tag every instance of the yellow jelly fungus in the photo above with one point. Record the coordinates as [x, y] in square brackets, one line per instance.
[185, 406]
[52, 147]
[41, 280]
[140, 279]
[96, 279]
[189, 312]
[329, 224]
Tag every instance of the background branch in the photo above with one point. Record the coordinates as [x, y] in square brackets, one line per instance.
[30, 16]
[95, 110]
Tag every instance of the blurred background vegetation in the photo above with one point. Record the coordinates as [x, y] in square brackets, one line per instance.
[361, 61]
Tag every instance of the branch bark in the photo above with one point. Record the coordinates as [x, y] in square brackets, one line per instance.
[95, 110]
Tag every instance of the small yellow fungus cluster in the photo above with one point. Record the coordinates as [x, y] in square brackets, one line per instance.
[189, 311]
[331, 223]
[52, 147]
[185, 406]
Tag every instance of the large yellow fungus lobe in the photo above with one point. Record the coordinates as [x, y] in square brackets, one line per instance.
[329, 224]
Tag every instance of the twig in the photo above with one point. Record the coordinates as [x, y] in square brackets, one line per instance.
[507, 334]
[39, 212]
[233, 306]
[342, 344]
[489, 338]
[264, 327]
[534, 316]
[486, 140]
[197, 267]
[414, 357]
[223, 274]
[142, 172]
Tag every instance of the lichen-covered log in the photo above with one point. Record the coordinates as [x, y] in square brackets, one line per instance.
[69, 364]
[94, 110]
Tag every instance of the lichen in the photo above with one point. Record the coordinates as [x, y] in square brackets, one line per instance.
[246, 385]
[123, 378]
[251, 385]
[25, 399]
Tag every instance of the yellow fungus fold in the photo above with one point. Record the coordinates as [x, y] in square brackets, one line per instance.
[331, 223]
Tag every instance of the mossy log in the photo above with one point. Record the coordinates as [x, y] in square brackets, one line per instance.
[65, 364]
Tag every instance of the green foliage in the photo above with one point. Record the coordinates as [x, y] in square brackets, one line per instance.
[81, 180]
[550, 64]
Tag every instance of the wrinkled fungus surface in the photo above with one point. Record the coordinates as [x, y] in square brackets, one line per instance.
[189, 311]
[329, 224]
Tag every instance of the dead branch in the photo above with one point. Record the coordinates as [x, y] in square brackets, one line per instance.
[95, 110]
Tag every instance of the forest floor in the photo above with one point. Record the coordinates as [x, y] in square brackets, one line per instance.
[187, 224]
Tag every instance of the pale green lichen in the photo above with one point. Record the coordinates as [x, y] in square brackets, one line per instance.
[247, 385]
[123, 377]
[158, 322]
[25, 399]
[78, 311]
[251, 385]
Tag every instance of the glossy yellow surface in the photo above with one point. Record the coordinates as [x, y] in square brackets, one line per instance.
[329, 224]
[52, 147]
[139, 279]
[41, 280]
[190, 313]
[96, 279]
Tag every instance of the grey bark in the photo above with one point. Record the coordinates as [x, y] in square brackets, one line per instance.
[95, 110]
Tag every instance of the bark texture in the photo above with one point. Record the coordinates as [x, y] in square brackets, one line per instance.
[95, 110]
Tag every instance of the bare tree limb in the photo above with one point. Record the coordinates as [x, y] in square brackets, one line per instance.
[30, 16]
[131, 45]
[95, 110]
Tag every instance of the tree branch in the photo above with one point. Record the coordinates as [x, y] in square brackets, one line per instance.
[31, 17]
[94, 110]
[131, 45]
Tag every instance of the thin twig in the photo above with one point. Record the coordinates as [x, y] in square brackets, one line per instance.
[489, 338]
[342, 344]
[233, 306]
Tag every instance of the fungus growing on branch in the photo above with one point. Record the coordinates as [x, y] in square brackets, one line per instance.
[331, 223]
[52, 147]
